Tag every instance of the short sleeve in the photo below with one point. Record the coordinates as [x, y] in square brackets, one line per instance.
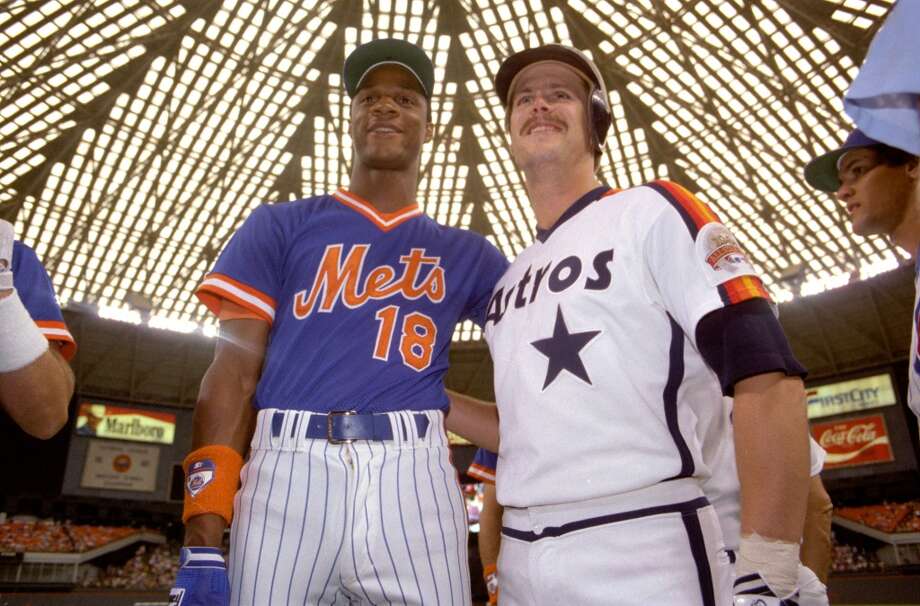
[483, 466]
[37, 295]
[491, 267]
[249, 268]
[817, 456]
[694, 260]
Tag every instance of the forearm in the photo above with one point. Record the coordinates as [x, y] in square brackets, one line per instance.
[490, 527]
[771, 445]
[36, 396]
[816, 539]
[224, 415]
[475, 420]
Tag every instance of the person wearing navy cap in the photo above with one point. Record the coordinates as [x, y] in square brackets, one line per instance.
[880, 187]
[336, 315]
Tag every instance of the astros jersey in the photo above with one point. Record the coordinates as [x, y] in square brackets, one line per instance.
[362, 305]
[37, 295]
[592, 331]
[913, 389]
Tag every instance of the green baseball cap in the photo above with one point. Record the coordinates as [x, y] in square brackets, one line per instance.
[388, 51]
[823, 172]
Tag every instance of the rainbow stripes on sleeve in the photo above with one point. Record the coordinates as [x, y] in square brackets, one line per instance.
[695, 215]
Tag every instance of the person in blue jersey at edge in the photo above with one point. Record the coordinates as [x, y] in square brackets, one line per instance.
[884, 98]
[36, 382]
[336, 315]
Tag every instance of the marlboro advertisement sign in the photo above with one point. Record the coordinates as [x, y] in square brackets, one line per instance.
[118, 423]
[855, 441]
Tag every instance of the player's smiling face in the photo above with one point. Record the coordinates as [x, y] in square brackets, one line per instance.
[389, 120]
[548, 122]
[876, 195]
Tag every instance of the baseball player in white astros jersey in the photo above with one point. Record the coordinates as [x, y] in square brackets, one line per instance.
[613, 335]
[337, 313]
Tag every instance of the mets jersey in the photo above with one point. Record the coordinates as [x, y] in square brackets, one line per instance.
[483, 466]
[362, 304]
[913, 389]
[592, 332]
[37, 295]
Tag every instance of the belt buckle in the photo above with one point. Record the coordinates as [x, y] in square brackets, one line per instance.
[329, 422]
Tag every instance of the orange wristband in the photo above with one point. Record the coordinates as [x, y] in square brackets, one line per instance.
[490, 575]
[212, 475]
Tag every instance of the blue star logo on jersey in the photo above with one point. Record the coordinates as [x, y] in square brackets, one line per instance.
[563, 349]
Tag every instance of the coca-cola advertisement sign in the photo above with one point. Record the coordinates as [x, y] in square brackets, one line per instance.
[854, 441]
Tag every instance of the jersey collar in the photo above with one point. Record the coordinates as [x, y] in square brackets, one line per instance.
[580, 204]
[384, 221]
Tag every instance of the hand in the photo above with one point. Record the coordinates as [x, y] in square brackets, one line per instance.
[812, 591]
[6, 256]
[752, 590]
[202, 578]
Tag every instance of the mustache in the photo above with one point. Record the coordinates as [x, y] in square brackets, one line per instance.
[540, 120]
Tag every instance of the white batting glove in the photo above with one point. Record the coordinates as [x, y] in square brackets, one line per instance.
[761, 600]
[812, 591]
[6, 255]
[766, 573]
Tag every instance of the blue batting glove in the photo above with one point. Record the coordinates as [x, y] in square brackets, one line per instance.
[202, 578]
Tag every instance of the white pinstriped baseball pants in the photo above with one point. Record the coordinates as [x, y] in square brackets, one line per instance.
[371, 522]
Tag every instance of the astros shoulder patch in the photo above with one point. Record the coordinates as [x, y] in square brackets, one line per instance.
[723, 257]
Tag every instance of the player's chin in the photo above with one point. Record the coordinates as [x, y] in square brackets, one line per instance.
[865, 227]
[401, 159]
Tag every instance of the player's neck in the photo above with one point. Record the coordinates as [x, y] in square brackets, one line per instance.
[387, 190]
[552, 192]
[907, 234]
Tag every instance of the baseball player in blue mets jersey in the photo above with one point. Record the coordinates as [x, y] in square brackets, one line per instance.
[337, 312]
[614, 335]
[35, 380]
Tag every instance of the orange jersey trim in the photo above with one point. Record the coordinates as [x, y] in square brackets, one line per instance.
[485, 474]
[743, 288]
[700, 213]
[737, 289]
[215, 288]
[384, 221]
[57, 332]
[231, 311]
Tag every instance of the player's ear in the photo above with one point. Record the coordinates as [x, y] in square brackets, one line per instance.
[913, 168]
[429, 132]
